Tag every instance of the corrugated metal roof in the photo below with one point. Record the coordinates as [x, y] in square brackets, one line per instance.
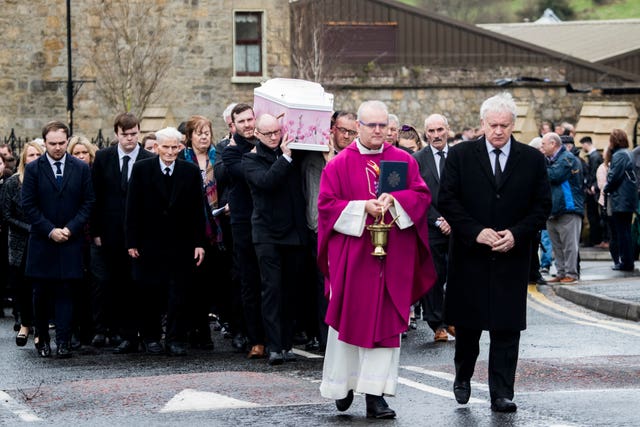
[591, 41]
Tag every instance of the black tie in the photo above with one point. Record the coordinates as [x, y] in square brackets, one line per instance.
[498, 170]
[441, 163]
[58, 172]
[124, 179]
[167, 172]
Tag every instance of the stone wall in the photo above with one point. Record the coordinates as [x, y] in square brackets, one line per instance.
[33, 61]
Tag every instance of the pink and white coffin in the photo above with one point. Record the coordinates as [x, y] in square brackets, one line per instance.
[303, 108]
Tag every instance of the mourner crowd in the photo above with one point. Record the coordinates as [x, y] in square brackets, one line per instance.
[143, 245]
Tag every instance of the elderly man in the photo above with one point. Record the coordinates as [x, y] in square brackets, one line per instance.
[164, 231]
[369, 297]
[392, 130]
[278, 231]
[565, 223]
[431, 161]
[495, 195]
[57, 197]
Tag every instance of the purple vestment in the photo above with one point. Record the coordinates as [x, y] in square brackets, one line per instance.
[370, 298]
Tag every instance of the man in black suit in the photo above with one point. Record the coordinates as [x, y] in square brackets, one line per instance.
[165, 232]
[278, 232]
[114, 300]
[241, 208]
[495, 195]
[431, 161]
[57, 198]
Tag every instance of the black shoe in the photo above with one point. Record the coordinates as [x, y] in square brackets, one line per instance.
[21, 339]
[115, 340]
[502, 404]
[63, 351]
[16, 326]
[43, 348]
[126, 347]
[300, 338]
[176, 349]
[462, 391]
[239, 343]
[377, 407]
[75, 342]
[99, 340]
[154, 347]
[289, 356]
[413, 324]
[344, 403]
[275, 358]
[312, 345]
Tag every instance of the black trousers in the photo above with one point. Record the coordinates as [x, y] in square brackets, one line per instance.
[115, 301]
[621, 238]
[280, 268]
[250, 290]
[167, 297]
[503, 359]
[433, 301]
[593, 216]
[52, 299]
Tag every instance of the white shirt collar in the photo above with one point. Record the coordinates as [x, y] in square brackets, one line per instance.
[506, 149]
[364, 150]
[435, 151]
[163, 166]
[132, 155]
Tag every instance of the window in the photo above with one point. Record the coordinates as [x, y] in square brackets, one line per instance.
[248, 44]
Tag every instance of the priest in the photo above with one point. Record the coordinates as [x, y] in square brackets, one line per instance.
[369, 296]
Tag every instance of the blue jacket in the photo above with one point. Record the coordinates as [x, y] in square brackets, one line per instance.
[621, 182]
[565, 177]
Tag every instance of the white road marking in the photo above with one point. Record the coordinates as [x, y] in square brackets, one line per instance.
[307, 354]
[541, 303]
[194, 400]
[434, 390]
[10, 404]
[443, 376]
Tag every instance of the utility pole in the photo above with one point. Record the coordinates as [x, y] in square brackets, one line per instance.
[69, 71]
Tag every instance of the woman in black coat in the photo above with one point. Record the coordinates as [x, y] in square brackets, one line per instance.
[621, 193]
[18, 231]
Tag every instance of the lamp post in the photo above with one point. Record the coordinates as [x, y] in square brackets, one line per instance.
[69, 71]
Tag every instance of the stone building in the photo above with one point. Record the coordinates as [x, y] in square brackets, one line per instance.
[204, 74]
[220, 50]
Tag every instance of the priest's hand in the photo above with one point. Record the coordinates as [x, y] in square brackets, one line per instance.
[374, 207]
[387, 201]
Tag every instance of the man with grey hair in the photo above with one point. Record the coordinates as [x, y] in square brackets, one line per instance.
[494, 193]
[431, 161]
[565, 223]
[369, 297]
[392, 130]
[163, 192]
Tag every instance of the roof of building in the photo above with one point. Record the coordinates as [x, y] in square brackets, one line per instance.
[591, 41]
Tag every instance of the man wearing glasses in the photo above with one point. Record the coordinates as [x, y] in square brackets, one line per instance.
[343, 131]
[278, 232]
[369, 297]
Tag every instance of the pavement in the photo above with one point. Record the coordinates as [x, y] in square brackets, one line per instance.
[615, 293]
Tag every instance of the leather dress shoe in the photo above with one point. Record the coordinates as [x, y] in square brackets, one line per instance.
[462, 391]
[239, 343]
[275, 358]
[344, 403]
[440, 335]
[176, 349]
[99, 340]
[502, 404]
[75, 342]
[289, 356]
[21, 338]
[154, 347]
[63, 351]
[256, 352]
[43, 348]
[126, 347]
[377, 407]
[115, 340]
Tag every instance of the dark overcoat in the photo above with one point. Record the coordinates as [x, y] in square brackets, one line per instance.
[107, 220]
[165, 223]
[429, 172]
[485, 289]
[47, 206]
